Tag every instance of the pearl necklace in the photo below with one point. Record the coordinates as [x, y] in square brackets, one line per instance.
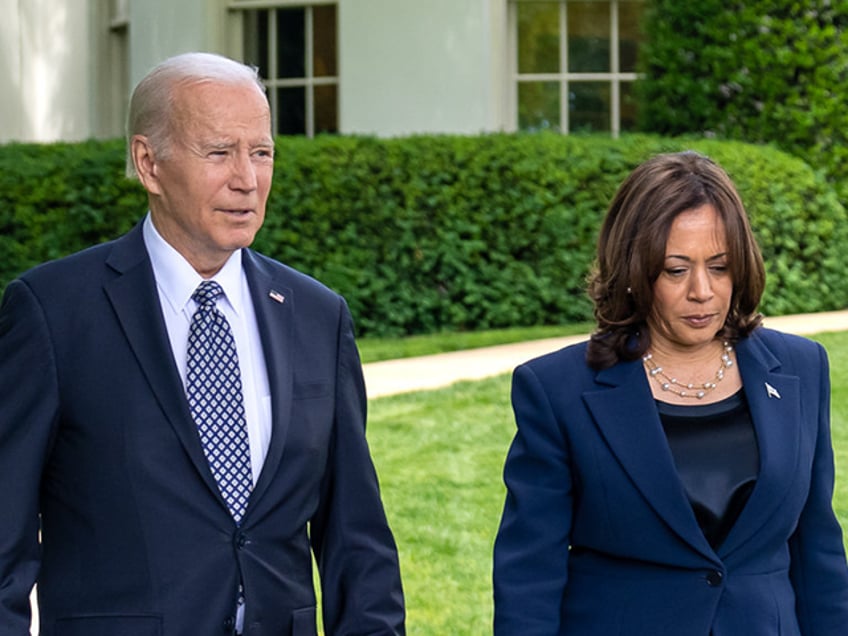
[688, 390]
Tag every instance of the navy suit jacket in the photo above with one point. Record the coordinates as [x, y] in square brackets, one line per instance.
[599, 538]
[99, 452]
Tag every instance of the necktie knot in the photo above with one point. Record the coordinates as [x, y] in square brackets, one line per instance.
[206, 294]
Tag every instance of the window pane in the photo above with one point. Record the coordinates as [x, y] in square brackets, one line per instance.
[326, 109]
[291, 43]
[538, 37]
[588, 37]
[291, 111]
[256, 41]
[630, 33]
[628, 107]
[589, 106]
[324, 26]
[538, 105]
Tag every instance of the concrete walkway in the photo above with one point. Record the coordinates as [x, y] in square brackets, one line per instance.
[431, 372]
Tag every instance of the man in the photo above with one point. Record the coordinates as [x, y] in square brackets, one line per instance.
[182, 418]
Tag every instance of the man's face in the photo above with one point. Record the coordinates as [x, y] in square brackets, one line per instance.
[208, 193]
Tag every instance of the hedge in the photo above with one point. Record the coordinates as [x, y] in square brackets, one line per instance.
[434, 233]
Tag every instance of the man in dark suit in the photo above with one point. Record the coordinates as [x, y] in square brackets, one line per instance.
[182, 420]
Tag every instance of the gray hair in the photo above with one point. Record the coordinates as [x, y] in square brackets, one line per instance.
[152, 101]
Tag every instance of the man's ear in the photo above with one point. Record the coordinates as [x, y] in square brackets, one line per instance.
[144, 160]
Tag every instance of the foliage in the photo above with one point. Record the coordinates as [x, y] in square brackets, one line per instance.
[761, 71]
[439, 233]
[60, 198]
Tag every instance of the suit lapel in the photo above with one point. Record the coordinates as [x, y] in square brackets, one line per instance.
[134, 298]
[625, 412]
[775, 403]
[274, 306]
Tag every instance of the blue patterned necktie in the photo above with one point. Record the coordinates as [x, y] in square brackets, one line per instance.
[213, 388]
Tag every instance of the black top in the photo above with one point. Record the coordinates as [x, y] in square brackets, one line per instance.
[715, 450]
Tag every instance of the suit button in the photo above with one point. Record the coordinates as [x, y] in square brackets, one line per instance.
[241, 540]
[714, 578]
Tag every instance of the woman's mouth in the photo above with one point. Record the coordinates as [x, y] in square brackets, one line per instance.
[699, 320]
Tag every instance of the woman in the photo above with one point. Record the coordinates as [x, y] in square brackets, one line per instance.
[673, 475]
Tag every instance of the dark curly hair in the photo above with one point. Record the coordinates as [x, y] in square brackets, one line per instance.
[631, 252]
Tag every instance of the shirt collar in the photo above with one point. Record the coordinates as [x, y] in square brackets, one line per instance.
[177, 279]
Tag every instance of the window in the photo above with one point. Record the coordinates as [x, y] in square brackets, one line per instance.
[294, 48]
[575, 63]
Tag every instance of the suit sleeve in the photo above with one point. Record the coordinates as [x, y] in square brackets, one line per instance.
[28, 412]
[531, 548]
[818, 566]
[354, 547]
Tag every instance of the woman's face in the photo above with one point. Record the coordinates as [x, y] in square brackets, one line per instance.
[693, 292]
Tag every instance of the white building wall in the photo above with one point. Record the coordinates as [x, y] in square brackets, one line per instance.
[44, 70]
[162, 28]
[408, 66]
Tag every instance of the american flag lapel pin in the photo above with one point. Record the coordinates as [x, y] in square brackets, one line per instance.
[275, 295]
[771, 391]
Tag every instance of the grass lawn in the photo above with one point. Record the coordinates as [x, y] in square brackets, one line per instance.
[440, 455]
[376, 349]
[837, 349]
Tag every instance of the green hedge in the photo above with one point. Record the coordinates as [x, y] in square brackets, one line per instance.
[435, 233]
[60, 198]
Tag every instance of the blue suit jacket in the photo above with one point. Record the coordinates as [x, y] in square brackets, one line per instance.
[598, 537]
[96, 438]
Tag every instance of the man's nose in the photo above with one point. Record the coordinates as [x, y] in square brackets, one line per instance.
[244, 173]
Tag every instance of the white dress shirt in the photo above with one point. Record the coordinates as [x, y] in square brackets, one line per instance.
[176, 281]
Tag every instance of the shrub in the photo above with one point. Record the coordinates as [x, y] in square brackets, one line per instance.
[762, 71]
[434, 233]
[60, 198]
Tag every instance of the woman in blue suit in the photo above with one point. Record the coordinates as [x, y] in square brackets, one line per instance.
[673, 475]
